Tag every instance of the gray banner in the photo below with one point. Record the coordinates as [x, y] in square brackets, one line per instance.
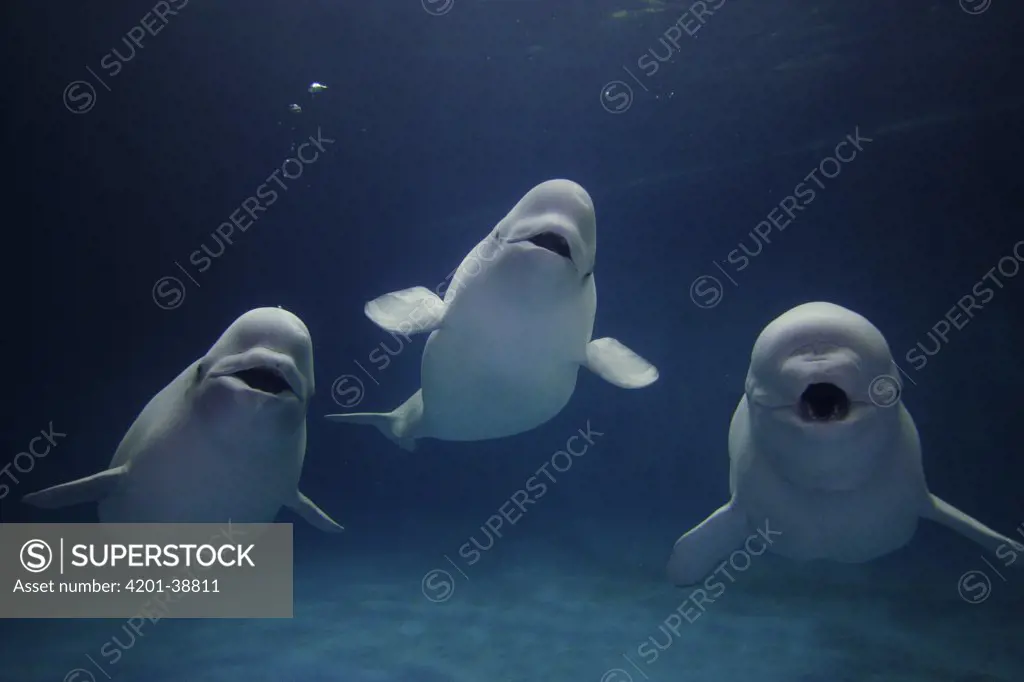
[189, 570]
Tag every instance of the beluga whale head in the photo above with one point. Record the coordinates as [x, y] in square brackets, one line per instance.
[258, 376]
[814, 395]
[553, 229]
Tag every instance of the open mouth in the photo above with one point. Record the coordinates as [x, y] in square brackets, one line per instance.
[555, 243]
[824, 403]
[264, 379]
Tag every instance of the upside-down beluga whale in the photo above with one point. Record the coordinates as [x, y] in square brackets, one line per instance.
[824, 455]
[515, 326]
[224, 441]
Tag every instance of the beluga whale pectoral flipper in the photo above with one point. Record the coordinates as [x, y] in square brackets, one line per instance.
[825, 460]
[224, 441]
[514, 327]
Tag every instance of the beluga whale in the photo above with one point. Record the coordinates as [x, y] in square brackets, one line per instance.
[222, 442]
[825, 459]
[506, 343]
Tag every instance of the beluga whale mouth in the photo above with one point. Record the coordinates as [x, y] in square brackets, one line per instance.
[824, 403]
[553, 242]
[264, 379]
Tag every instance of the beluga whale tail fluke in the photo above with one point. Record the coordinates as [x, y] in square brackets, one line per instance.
[395, 425]
[825, 459]
[514, 326]
[222, 442]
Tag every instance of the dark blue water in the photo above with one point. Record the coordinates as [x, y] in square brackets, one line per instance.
[436, 120]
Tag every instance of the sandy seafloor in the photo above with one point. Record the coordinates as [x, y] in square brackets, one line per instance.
[566, 605]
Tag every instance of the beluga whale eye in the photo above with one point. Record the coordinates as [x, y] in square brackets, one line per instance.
[263, 379]
[553, 242]
[824, 403]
